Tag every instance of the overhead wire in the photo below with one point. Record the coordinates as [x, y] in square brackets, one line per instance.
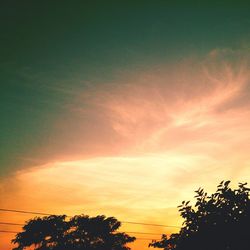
[134, 232]
[126, 222]
[47, 214]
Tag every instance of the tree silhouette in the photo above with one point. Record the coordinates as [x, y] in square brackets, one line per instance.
[216, 222]
[78, 233]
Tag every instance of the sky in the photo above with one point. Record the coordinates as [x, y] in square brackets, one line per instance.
[121, 108]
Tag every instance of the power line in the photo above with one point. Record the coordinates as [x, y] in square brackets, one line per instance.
[142, 233]
[22, 211]
[146, 239]
[126, 222]
[12, 224]
[17, 224]
[148, 224]
[6, 231]
[134, 232]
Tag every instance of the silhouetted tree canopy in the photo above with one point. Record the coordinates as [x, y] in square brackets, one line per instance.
[78, 233]
[217, 222]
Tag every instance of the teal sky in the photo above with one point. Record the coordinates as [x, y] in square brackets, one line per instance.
[137, 103]
[50, 50]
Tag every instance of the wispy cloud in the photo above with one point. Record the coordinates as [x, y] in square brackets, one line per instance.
[142, 143]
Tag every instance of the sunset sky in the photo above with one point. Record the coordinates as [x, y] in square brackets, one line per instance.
[121, 108]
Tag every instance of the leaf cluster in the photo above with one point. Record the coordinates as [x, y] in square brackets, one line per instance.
[78, 233]
[218, 221]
